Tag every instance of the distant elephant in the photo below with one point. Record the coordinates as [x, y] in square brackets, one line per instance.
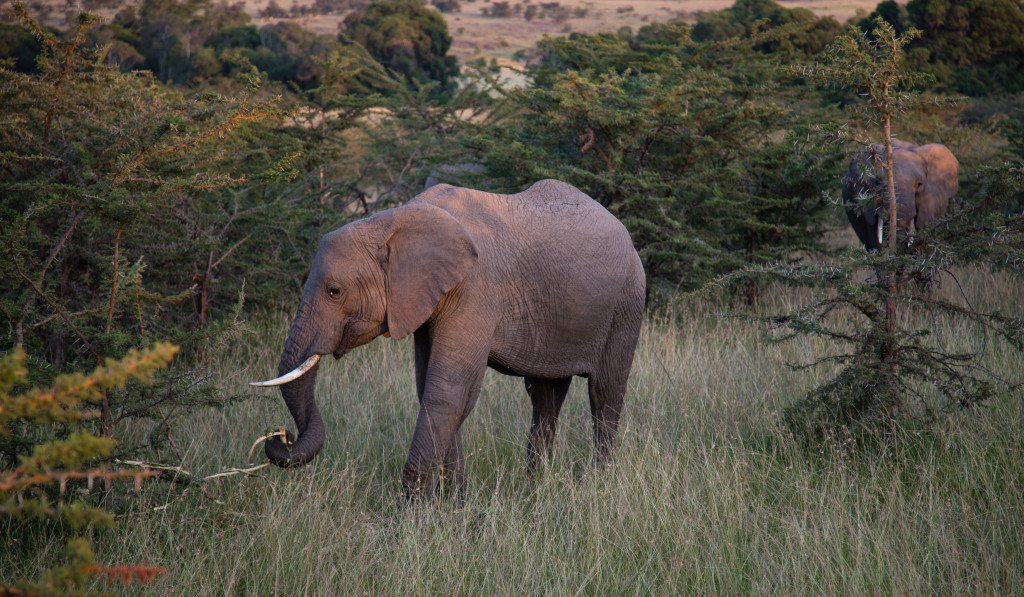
[926, 178]
[544, 284]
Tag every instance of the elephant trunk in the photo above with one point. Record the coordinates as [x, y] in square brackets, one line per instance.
[298, 396]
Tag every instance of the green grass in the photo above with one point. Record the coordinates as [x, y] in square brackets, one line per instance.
[707, 493]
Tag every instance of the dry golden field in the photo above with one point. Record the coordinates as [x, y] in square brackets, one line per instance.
[476, 35]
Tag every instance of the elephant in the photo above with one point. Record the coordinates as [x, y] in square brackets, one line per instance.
[926, 178]
[544, 284]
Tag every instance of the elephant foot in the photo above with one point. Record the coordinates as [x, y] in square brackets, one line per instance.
[447, 483]
[415, 485]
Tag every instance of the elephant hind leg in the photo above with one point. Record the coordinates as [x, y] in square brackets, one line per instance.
[607, 384]
[547, 396]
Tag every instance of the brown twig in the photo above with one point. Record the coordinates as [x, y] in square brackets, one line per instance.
[227, 254]
[60, 311]
[69, 55]
[19, 328]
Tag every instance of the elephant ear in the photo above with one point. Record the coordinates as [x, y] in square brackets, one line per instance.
[427, 254]
[941, 181]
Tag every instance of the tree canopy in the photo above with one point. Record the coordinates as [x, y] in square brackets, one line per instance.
[408, 37]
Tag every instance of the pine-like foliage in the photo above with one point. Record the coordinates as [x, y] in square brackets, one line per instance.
[133, 212]
[891, 370]
[690, 145]
[47, 483]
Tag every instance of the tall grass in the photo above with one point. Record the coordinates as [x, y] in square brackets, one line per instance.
[707, 494]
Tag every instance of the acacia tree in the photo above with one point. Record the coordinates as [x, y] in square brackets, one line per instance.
[133, 218]
[47, 485]
[680, 140]
[891, 370]
[874, 68]
[408, 37]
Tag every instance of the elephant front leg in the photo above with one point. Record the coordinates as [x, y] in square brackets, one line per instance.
[453, 470]
[448, 398]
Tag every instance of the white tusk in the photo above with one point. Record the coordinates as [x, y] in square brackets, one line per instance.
[879, 231]
[291, 375]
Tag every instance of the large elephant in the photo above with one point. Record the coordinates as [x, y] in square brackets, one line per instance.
[926, 178]
[544, 284]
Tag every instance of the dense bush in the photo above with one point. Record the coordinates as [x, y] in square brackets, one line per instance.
[408, 37]
[191, 42]
[18, 44]
[49, 483]
[685, 148]
[969, 46]
[804, 32]
[137, 213]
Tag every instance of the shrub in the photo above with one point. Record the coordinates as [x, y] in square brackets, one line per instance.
[273, 10]
[679, 145]
[132, 220]
[407, 37]
[447, 6]
[498, 10]
[798, 29]
[48, 483]
[892, 373]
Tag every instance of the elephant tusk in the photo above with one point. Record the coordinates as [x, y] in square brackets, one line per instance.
[878, 229]
[291, 375]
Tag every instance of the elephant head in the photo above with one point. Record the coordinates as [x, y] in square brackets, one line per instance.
[380, 275]
[926, 178]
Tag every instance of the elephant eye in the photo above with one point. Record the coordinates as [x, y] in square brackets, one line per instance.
[333, 292]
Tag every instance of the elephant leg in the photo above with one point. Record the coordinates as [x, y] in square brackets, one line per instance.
[453, 465]
[607, 385]
[607, 393]
[547, 396]
[453, 470]
[422, 350]
[450, 389]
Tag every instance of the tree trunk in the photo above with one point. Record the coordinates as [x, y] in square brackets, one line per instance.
[890, 299]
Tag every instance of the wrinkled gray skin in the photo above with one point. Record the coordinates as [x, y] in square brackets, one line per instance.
[926, 179]
[544, 284]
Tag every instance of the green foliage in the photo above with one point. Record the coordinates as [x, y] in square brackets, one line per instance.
[408, 37]
[164, 31]
[18, 44]
[803, 32]
[891, 370]
[969, 46]
[36, 490]
[686, 143]
[138, 213]
[200, 42]
[889, 11]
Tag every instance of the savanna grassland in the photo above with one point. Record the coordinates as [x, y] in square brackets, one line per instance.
[167, 172]
[706, 495]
